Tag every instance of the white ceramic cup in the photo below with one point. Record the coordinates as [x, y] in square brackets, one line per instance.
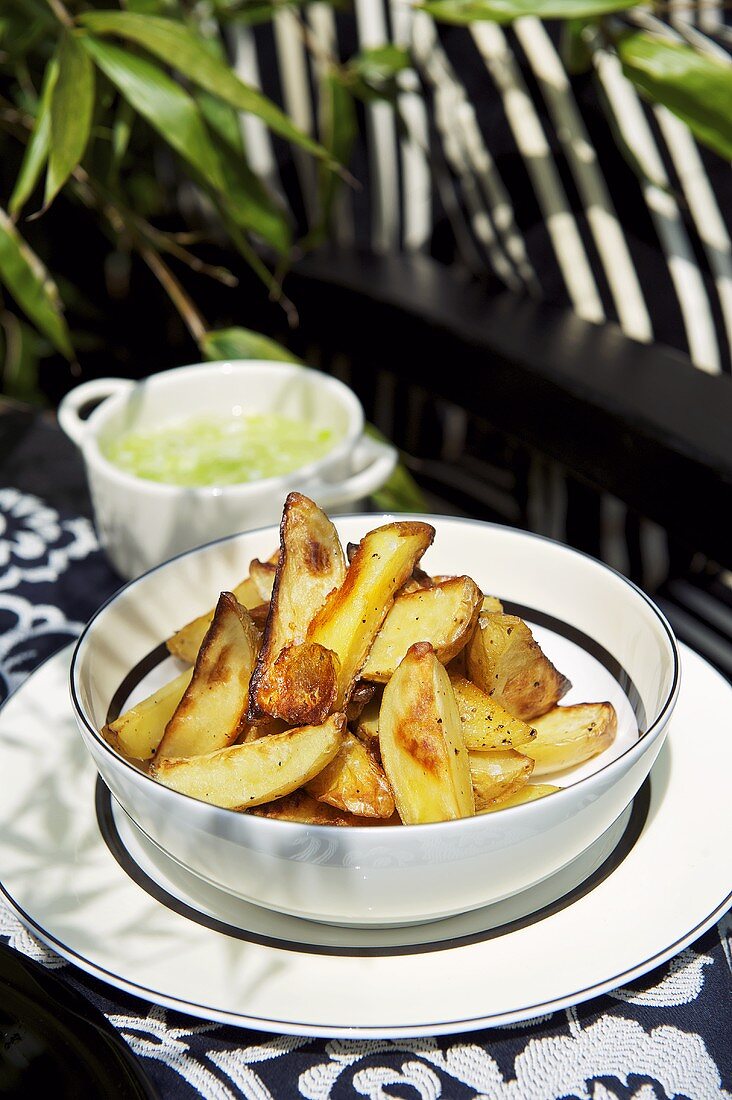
[142, 523]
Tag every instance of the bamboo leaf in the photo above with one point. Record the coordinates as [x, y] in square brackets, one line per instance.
[72, 106]
[576, 50]
[121, 133]
[177, 45]
[380, 63]
[29, 283]
[504, 11]
[246, 200]
[697, 87]
[36, 152]
[338, 129]
[164, 104]
[243, 343]
[371, 74]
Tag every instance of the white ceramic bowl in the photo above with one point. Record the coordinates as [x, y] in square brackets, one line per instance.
[597, 627]
[142, 523]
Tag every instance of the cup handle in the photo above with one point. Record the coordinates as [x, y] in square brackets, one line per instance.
[375, 461]
[97, 389]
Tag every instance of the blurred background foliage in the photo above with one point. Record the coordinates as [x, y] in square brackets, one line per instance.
[123, 165]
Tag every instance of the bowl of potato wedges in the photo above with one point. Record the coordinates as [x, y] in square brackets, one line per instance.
[375, 720]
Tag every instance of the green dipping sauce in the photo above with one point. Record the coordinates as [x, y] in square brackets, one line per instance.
[220, 450]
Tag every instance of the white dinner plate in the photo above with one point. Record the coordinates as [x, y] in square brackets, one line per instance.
[87, 883]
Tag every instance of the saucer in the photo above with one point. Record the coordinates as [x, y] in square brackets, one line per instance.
[84, 879]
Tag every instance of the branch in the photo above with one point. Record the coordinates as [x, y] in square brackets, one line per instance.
[190, 314]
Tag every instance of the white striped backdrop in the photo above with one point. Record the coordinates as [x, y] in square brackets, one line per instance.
[498, 151]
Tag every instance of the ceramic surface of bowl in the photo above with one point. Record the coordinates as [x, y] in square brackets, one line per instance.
[142, 523]
[596, 627]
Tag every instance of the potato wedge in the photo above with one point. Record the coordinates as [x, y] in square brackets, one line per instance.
[351, 617]
[186, 642]
[301, 806]
[301, 685]
[567, 736]
[492, 603]
[264, 727]
[212, 712]
[363, 692]
[138, 732]
[486, 724]
[262, 575]
[504, 661]
[311, 565]
[241, 776]
[366, 726]
[529, 793]
[421, 741]
[497, 774]
[444, 615]
[353, 781]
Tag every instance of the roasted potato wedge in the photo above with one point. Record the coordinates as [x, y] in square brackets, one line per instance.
[505, 661]
[366, 726]
[492, 603]
[262, 575]
[497, 774]
[352, 615]
[241, 776]
[311, 564]
[212, 712]
[301, 806]
[421, 742]
[567, 736]
[186, 642]
[353, 781]
[529, 793]
[301, 685]
[138, 732]
[362, 693]
[486, 724]
[264, 727]
[443, 615]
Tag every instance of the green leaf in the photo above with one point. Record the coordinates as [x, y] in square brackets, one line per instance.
[36, 152]
[694, 86]
[121, 133]
[177, 45]
[504, 11]
[242, 343]
[31, 286]
[246, 200]
[371, 74]
[22, 352]
[338, 129]
[576, 45]
[164, 104]
[380, 63]
[400, 493]
[72, 106]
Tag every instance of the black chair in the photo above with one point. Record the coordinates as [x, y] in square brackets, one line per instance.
[520, 412]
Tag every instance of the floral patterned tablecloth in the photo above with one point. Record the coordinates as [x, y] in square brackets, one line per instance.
[667, 1035]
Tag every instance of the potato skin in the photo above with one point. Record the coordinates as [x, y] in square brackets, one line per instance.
[311, 565]
[241, 776]
[212, 711]
[422, 748]
[352, 615]
[445, 615]
[505, 661]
